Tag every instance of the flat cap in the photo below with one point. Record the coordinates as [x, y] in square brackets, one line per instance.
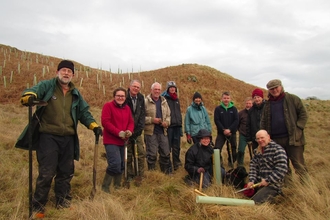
[274, 83]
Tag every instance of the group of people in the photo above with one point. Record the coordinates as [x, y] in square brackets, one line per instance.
[275, 129]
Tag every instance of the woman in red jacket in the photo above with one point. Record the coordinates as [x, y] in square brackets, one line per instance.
[118, 125]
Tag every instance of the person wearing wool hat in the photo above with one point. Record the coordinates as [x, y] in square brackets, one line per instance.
[174, 131]
[66, 64]
[196, 119]
[57, 138]
[284, 117]
[254, 116]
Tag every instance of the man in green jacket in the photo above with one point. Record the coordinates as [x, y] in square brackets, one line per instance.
[58, 143]
[284, 117]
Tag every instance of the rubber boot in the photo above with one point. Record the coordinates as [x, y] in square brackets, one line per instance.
[106, 183]
[117, 181]
[151, 166]
[240, 158]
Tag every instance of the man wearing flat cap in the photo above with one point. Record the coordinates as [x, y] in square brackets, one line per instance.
[284, 117]
[57, 138]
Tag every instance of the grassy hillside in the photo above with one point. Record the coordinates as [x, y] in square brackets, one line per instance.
[21, 69]
[160, 196]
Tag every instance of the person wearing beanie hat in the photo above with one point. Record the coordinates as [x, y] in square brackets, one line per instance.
[197, 95]
[174, 131]
[56, 138]
[66, 64]
[257, 92]
[254, 116]
[284, 117]
[196, 119]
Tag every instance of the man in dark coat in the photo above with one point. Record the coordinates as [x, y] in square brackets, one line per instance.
[135, 100]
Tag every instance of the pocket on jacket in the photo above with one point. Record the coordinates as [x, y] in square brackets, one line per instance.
[298, 134]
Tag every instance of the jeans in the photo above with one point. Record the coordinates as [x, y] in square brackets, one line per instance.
[115, 159]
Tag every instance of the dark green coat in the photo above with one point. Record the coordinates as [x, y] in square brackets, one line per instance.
[79, 112]
[295, 119]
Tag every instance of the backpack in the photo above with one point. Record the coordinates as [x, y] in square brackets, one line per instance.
[236, 177]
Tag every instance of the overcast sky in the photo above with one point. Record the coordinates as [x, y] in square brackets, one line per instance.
[251, 40]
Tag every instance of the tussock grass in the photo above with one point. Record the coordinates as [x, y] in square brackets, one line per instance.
[160, 196]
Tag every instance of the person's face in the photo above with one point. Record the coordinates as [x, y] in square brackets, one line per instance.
[263, 139]
[134, 89]
[225, 99]
[65, 75]
[205, 141]
[275, 92]
[257, 99]
[197, 101]
[171, 90]
[248, 104]
[155, 91]
[120, 97]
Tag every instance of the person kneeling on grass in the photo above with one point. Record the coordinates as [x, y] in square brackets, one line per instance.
[199, 159]
[268, 167]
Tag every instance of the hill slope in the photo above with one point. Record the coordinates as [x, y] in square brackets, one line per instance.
[20, 69]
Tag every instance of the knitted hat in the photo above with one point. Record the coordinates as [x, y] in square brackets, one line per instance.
[203, 133]
[66, 64]
[197, 95]
[258, 92]
[274, 83]
[170, 84]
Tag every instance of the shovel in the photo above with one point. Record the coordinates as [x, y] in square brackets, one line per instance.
[32, 102]
[230, 152]
[250, 149]
[252, 187]
[138, 178]
[93, 192]
[126, 183]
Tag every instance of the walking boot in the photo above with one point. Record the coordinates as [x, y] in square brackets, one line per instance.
[117, 181]
[106, 183]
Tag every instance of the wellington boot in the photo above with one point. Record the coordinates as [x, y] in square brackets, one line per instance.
[106, 183]
[117, 181]
[240, 158]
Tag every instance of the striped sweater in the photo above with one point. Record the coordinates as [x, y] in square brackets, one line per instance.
[271, 165]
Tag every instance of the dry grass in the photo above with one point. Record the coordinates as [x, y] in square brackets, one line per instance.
[160, 196]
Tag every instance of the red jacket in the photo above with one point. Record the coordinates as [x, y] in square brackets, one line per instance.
[115, 118]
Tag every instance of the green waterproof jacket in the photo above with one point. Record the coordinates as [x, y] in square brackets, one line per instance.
[295, 118]
[79, 112]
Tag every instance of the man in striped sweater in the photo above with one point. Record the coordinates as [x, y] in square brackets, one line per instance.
[268, 167]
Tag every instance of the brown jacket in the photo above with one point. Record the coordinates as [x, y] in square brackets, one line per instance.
[295, 119]
[151, 114]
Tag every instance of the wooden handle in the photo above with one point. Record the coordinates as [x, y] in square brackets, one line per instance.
[201, 181]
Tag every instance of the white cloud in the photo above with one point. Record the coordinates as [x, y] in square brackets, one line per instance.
[252, 40]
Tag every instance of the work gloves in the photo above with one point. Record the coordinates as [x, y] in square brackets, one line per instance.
[98, 131]
[28, 98]
[125, 134]
[189, 139]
